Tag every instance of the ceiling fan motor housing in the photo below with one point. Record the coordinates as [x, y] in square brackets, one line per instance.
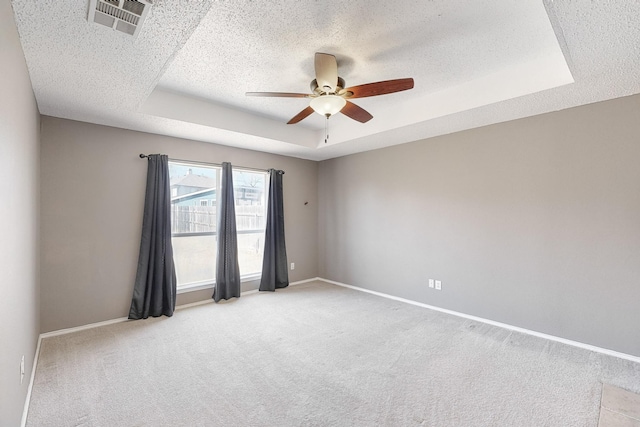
[326, 89]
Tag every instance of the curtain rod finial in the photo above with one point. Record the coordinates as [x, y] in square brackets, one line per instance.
[142, 156]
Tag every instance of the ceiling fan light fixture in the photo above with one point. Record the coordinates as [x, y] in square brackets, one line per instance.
[328, 105]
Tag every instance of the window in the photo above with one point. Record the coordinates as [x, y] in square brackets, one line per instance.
[249, 189]
[194, 220]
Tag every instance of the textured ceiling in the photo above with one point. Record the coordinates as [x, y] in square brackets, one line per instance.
[185, 75]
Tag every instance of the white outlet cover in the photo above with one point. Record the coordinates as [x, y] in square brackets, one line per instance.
[438, 285]
[431, 283]
[293, 265]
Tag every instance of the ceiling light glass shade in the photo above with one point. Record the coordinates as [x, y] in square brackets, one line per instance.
[328, 104]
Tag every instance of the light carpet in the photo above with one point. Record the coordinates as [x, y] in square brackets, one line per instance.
[317, 355]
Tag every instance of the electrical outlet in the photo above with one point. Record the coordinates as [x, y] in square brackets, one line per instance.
[293, 265]
[438, 285]
[431, 283]
[22, 370]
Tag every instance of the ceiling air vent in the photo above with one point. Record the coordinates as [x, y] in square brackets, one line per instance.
[122, 15]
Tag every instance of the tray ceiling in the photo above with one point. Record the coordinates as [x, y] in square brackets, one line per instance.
[186, 72]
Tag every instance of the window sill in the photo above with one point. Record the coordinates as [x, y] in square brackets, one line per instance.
[251, 277]
[192, 287]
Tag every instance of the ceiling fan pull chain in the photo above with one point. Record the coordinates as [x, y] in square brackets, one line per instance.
[326, 129]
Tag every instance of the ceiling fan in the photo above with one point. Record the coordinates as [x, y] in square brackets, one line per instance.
[329, 95]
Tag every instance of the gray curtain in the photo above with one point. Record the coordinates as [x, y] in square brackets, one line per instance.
[154, 292]
[274, 263]
[227, 268]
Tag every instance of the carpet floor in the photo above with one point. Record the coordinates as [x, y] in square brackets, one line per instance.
[317, 355]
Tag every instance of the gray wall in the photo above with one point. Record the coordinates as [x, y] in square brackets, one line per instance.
[92, 197]
[19, 145]
[534, 222]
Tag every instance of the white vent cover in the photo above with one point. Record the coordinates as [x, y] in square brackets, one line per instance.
[122, 15]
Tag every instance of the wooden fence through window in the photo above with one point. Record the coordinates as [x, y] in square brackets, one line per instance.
[203, 219]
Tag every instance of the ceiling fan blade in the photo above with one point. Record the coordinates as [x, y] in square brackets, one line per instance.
[301, 115]
[326, 72]
[356, 113]
[378, 88]
[279, 94]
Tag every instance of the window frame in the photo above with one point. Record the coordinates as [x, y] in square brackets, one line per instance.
[210, 283]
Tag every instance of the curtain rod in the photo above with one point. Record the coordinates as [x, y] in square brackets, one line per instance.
[142, 156]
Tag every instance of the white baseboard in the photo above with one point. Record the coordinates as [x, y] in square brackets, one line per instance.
[300, 282]
[27, 400]
[590, 347]
[82, 328]
[195, 304]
